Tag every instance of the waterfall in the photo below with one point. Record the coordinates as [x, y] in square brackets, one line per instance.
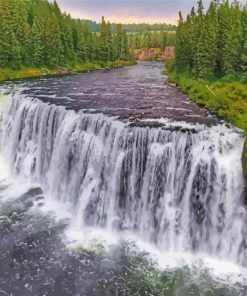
[180, 189]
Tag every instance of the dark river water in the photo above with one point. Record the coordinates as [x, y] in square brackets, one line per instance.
[137, 90]
[115, 183]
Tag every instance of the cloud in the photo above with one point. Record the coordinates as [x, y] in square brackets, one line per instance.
[150, 11]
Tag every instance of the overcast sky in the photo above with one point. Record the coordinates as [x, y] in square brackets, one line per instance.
[149, 11]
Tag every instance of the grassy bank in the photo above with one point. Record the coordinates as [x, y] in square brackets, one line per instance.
[225, 97]
[24, 72]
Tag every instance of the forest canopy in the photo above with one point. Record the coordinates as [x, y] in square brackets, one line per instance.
[151, 39]
[36, 33]
[213, 43]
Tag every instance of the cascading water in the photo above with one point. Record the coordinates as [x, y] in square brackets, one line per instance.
[180, 189]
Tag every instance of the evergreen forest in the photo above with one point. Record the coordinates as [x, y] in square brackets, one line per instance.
[36, 33]
[135, 28]
[213, 43]
[154, 39]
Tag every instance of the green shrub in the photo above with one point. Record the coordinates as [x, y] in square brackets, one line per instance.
[243, 78]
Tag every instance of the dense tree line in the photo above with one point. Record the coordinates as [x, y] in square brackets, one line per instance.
[215, 42]
[36, 33]
[135, 28]
[138, 28]
[151, 39]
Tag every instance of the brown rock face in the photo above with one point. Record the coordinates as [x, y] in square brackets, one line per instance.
[147, 53]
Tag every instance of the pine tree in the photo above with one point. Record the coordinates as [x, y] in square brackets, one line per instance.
[21, 29]
[244, 41]
[200, 31]
[10, 49]
[192, 39]
[52, 43]
[37, 47]
[103, 41]
[181, 42]
[82, 51]
[125, 54]
[26, 50]
[207, 52]
[67, 46]
[232, 49]
[118, 40]
[189, 52]
[14, 54]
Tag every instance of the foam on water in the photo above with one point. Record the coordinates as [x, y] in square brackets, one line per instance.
[220, 269]
[176, 194]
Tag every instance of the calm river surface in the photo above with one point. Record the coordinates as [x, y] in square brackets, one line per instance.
[138, 89]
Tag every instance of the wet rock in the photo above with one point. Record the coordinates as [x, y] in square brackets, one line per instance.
[138, 123]
[40, 204]
[180, 129]
[16, 216]
[34, 191]
[5, 226]
[38, 198]
[19, 253]
[136, 116]
[170, 84]
[63, 70]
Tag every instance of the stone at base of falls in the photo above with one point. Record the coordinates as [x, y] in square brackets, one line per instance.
[33, 192]
[27, 199]
[157, 124]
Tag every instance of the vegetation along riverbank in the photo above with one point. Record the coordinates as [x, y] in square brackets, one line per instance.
[211, 61]
[28, 72]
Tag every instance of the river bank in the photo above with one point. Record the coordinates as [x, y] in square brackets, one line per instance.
[225, 97]
[29, 72]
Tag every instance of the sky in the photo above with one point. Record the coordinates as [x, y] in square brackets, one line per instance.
[135, 11]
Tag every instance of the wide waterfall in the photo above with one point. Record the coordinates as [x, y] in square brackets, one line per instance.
[179, 188]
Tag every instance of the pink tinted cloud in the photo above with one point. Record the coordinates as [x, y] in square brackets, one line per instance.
[126, 11]
[129, 16]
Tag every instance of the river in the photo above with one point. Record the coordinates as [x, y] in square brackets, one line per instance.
[115, 183]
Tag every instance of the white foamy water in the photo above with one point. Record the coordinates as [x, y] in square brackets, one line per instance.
[178, 194]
